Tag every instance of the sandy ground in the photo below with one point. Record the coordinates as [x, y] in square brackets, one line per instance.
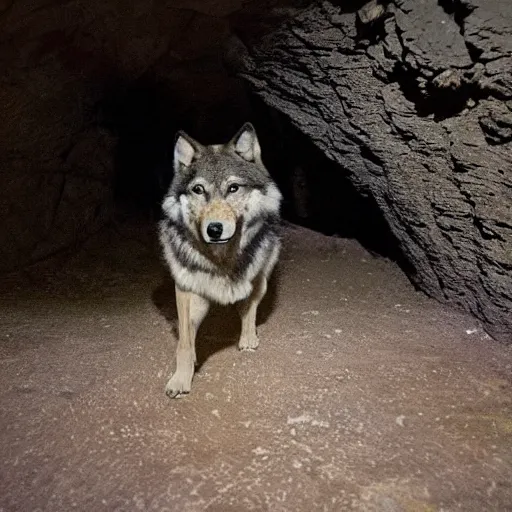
[364, 394]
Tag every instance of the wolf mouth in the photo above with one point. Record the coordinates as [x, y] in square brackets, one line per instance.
[221, 241]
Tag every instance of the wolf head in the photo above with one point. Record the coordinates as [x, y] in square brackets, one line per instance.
[219, 191]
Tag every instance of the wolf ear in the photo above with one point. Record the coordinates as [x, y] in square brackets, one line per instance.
[246, 144]
[185, 148]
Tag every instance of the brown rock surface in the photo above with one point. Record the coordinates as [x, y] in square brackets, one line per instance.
[415, 108]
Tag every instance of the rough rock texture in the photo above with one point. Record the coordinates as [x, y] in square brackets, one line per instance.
[415, 102]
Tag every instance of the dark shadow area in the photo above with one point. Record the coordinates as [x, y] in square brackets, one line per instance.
[221, 327]
[139, 115]
[347, 6]
[317, 192]
[459, 10]
[145, 116]
[444, 97]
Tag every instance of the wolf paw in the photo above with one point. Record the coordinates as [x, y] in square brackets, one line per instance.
[179, 384]
[248, 343]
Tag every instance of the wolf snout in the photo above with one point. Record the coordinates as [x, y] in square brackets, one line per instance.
[218, 222]
[216, 231]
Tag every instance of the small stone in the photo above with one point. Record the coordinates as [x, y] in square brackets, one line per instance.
[400, 420]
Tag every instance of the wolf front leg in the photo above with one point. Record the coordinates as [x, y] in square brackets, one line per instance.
[191, 312]
[248, 309]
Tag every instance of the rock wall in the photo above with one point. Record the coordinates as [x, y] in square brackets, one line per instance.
[414, 99]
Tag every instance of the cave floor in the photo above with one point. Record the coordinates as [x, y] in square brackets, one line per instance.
[364, 394]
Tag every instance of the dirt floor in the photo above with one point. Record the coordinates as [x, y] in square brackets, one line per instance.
[363, 395]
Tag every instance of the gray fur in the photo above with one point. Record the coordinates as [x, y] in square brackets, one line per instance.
[227, 186]
[256, 238]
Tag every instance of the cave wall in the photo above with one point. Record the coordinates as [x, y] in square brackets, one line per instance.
[414, 100]
[64, 69]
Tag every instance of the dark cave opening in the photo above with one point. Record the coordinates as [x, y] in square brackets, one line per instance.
[137, 116]
[145, 116]
[317, 193]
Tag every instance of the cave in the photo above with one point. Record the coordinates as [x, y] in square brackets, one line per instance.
[387, 126]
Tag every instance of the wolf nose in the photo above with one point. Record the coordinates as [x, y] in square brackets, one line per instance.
[214, 230]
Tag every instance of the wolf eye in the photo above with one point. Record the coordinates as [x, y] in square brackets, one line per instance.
[198, 189]
[233, 188]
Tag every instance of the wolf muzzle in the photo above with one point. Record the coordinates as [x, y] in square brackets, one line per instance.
[218, 223]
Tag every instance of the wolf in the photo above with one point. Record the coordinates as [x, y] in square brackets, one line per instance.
[220, 238]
